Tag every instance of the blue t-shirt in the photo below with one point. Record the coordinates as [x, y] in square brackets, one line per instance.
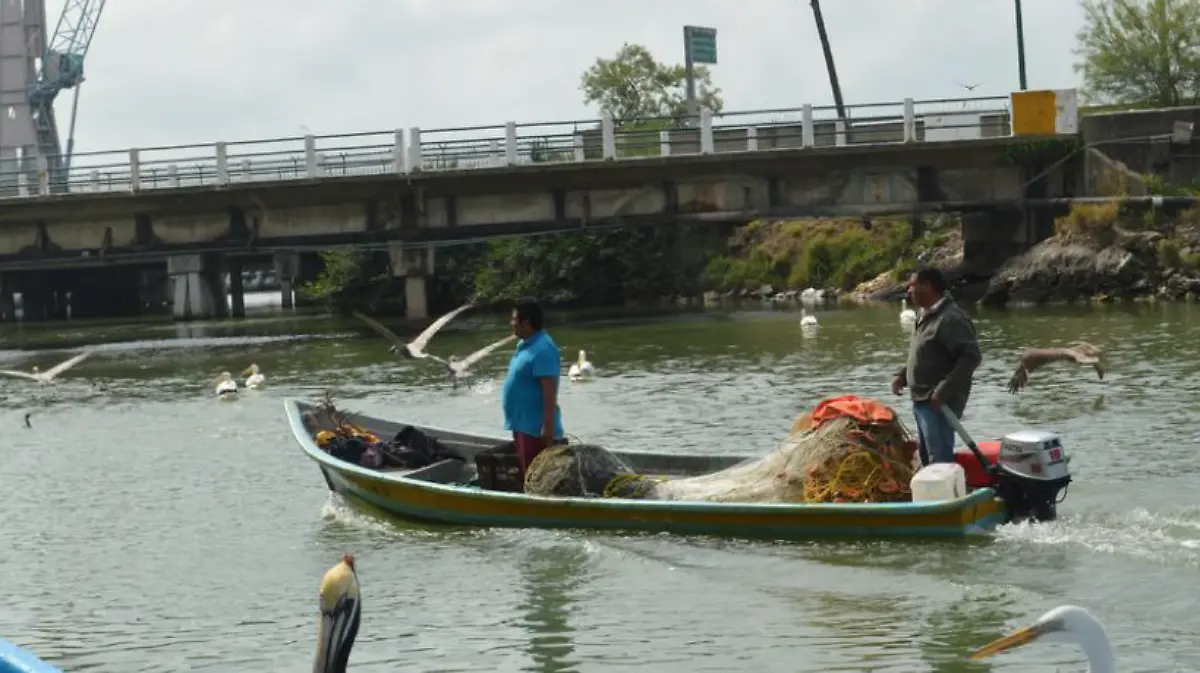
[535, 358]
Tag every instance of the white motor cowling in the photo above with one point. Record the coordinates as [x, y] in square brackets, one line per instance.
[1032, 469]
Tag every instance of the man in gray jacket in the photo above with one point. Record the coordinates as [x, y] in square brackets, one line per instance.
[942, 358]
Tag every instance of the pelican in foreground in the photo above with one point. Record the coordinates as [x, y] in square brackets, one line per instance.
[226, 387]
[907, 315]
[581, 368]
[48, 375]
[1033, 358]
[807, 321]
[459, 369]
[255, 378]
[1063, 624]
[415, 349]
[341, 612]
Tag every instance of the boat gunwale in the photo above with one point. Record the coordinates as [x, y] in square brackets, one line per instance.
[898, 509]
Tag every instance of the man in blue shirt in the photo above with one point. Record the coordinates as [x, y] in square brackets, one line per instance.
[530, 396]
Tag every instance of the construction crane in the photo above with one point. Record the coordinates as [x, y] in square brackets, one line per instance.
[58, 66]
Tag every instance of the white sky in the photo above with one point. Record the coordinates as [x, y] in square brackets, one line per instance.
[164, 72]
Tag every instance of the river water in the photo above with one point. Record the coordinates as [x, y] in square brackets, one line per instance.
[149, 527]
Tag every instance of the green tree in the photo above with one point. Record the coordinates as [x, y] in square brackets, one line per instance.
[1140, 51]
[634, 87]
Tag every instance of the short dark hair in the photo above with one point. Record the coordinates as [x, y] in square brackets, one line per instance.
[528, 310]
[933, 278]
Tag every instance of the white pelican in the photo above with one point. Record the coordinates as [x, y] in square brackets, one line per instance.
[1063, 624]
[459, 368]
[907, 315]
[415, 349]
[227, 388]
[256, 379]
[581, 368]
[807, 321]
[341, 612]
[1032, 358]
[48, 375]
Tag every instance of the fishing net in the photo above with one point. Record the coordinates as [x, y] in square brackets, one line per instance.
[583, 470]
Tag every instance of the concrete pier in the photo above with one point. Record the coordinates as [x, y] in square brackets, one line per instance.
[415, 266]
[199, 287]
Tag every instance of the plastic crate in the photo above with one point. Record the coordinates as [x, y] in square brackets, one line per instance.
[499, 469]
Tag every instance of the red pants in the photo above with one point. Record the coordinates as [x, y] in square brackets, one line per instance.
[528, 448]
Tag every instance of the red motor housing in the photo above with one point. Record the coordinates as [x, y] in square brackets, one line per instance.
[977, 476]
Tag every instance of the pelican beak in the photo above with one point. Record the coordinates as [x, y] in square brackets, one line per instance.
[341, 610]
[1022, 636]
[246, 372]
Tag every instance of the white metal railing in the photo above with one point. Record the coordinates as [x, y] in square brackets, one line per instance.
[414, 150]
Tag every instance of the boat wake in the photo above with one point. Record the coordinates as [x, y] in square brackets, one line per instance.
[1169, 538]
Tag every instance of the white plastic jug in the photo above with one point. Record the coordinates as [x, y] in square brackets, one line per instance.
[939, 481]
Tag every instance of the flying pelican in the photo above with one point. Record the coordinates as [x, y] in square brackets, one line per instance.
[807, 321]
[907, 315]
[227, 388]
[255, 380]
[1063, 624]
[459, 368]
[1032, 358]
[48, 375]
[341, 612]
[415, 349]
[581, 368]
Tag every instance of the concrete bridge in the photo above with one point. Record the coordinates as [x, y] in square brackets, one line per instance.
[103, 229]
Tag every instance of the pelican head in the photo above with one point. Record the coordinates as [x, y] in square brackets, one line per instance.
[35, 369]
[1063, 624]
[582, 357]
[341, 609]
[250, 371]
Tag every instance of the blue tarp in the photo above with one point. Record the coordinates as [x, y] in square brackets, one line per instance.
[16, 660]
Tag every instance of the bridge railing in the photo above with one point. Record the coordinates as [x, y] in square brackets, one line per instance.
[402, 151]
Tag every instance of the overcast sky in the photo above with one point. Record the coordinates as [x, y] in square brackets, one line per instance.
[164, 72]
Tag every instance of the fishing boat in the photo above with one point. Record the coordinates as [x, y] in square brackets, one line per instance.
[448, 492]
[14, 659]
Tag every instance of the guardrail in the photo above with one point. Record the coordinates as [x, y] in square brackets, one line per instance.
[417, 150]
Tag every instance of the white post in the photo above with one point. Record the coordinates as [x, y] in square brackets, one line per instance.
[577, 142]
[807, 134]
[95, 177]
[664, 143]
[222, 165]
[839, 128]
[706, 131]
[608, 135]
[310, 156]
[414, 149]
[752, 139]
[910, 121]
[246, 175]
[43, 174]
[398, 152]
[172, 175]
[510, 143]
[135, 170]
[322, 165]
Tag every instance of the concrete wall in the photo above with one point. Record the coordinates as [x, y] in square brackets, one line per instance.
[1179, 164]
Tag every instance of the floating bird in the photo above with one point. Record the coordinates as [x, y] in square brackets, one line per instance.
[1032, 358]
[807, 321]
[27, 423]
[1063, 624]
[581, 368]
[341, 612]
[415, 349]
[907, 315]
[459, 368]
[256, 379]
[48, 375]
[227, 388]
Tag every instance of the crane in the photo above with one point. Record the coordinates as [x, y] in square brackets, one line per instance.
[60, 68]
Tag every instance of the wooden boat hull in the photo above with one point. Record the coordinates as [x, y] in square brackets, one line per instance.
[419, 495]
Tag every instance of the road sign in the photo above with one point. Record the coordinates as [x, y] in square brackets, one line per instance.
[701, 44]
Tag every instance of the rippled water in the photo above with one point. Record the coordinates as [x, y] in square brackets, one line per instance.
[148, 527]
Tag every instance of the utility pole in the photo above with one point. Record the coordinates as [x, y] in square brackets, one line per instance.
[1021, 46]
[833, 78]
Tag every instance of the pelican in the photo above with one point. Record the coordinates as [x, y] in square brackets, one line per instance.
[581, 368]
[227, 388]
[1032, 358]
[459, 368]
[255, 380]
[415, 349]
[48, 375]
[907, 315]
[341, 612]
[807, 321]
[1063, 624]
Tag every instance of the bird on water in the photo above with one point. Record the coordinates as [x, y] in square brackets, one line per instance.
[1032, 359]
[1064, 624]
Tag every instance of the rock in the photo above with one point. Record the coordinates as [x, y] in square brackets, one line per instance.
[1056, 271]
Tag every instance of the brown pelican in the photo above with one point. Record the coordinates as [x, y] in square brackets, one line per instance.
[1063, 624]
[341, 610]
[1032, 358]
[415, 349]
[48, 375]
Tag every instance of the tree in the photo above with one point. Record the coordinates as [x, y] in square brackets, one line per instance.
[633, 87]
[1140, 51]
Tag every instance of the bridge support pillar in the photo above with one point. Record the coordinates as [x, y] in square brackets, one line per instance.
[415, 266]
[199, 287]
[287, 268]
[8, 305]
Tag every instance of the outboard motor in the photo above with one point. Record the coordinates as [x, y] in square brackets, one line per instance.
[1030, 472]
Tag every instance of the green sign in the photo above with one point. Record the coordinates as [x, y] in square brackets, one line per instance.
[701, 44]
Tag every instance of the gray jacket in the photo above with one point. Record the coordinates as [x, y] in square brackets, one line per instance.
[942, 356]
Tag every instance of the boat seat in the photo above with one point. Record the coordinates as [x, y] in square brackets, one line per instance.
[447, 471]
